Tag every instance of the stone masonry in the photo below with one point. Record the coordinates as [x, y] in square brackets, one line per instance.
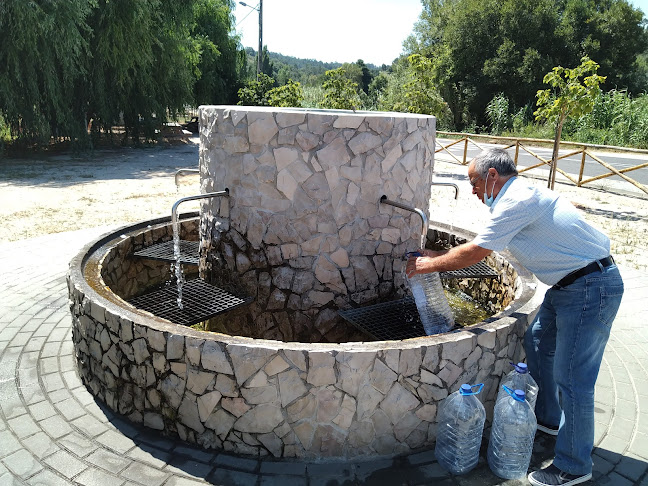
[303, 230]
[271, 398]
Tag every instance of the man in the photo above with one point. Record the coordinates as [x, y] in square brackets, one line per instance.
[565, 343]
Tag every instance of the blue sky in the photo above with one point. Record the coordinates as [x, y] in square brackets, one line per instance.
[335, 30]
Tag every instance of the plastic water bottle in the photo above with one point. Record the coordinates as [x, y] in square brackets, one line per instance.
[461, 420]
[520, 379]
[431, 303]
[512, 434]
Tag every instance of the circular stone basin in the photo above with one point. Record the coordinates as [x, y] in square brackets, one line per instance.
[269, 397]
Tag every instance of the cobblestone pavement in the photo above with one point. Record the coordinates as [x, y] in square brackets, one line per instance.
[52, 431]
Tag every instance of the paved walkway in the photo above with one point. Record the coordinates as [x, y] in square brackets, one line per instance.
[53, 432]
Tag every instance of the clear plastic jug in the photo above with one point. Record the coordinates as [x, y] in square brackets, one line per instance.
[431, 303]
[461, 420]
[512, 434]
[520, 379]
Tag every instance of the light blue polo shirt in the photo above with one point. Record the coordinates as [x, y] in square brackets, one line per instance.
[543, 231]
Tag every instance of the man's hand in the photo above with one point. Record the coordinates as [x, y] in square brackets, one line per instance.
[458, 257]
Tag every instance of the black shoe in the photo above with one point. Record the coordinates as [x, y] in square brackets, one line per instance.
[548, 429]
[552, 476]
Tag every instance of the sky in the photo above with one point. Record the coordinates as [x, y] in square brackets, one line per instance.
[331, 30]
[335, 30]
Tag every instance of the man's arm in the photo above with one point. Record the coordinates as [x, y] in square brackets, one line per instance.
[461, 256]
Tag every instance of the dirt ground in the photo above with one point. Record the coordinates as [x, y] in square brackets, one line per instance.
[53, 193]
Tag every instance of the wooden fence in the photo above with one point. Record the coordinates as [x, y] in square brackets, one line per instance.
[524, 144]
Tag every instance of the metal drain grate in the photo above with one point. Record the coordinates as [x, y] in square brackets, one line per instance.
[478, 270]
[200, 302]
[388, 321]
[189, 251]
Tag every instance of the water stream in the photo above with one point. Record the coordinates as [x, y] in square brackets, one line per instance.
[177, 266]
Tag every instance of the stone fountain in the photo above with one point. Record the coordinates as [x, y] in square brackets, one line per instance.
[303, 235]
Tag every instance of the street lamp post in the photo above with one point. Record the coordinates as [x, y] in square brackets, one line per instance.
[258, 8]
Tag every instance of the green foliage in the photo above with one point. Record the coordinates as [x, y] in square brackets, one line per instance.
[419, 92]
[313, 97]
[340, 92]
[497, 112]
[67, 65]
[573, 92]
[483, 47]
[290, 94]
[616, 119]
[43, 52]
[255, 93]
[218, 70]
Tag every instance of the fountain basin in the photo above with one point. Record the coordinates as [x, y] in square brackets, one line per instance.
[273, 398]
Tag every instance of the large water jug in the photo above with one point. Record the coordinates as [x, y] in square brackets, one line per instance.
[431, 302]
[512, 434]
[461, 420]
[519, 379]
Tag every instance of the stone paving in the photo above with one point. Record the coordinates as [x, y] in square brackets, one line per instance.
[52, 431]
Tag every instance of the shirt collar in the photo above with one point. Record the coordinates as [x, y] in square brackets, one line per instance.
[501, 192]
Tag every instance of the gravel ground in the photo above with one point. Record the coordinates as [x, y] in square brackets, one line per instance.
[53, 193]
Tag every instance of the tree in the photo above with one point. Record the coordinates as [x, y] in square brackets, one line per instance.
[43, 52]
[366, 76]
[219, 69]
[340, 92]
[419, 92]
[143, 64]
[574, 93]
[290, 94]
[480, 48]
[255, 92]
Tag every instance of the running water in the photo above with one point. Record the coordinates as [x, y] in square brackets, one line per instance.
[177, 265]
[451, 213]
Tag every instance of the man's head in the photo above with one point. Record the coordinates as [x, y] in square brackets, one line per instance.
[489, 171]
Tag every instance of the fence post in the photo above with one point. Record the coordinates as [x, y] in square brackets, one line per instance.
[465, 155]
[517, 151]
[582, 167]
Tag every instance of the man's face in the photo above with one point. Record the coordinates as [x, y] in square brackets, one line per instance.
[476, 182]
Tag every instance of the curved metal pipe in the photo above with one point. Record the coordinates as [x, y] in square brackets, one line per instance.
[424, 219]
[184, 171]
[174, 209]
[456, 187]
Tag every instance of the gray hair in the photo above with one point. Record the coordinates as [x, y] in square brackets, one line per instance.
[497, 159]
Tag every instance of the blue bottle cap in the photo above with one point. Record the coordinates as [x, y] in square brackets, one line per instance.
[521, 368]
[519, 395]
[466, 389]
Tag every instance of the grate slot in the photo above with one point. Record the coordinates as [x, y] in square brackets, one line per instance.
[200, 301]
[478, 270]
[189, 251]
[387, 321]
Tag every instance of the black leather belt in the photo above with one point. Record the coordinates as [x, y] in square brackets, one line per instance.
[570, 278]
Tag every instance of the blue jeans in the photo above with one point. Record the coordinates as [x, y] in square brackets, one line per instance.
[564, 348]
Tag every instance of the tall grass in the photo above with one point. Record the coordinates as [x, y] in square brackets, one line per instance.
[616, 119]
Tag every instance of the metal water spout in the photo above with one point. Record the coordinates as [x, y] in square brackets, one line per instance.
[451, 184]
[424, 219]
[174, 209]
[176, 235]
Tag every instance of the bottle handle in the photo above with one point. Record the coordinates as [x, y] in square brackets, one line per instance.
[412, 254]
[512, 393]
[480, 385]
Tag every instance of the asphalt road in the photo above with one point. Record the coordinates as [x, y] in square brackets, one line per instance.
[571, 164]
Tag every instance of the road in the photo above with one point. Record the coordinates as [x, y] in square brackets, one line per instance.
[571, 164]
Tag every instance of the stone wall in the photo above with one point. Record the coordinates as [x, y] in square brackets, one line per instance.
[261, 397]
[303, 230]
[128, 276]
